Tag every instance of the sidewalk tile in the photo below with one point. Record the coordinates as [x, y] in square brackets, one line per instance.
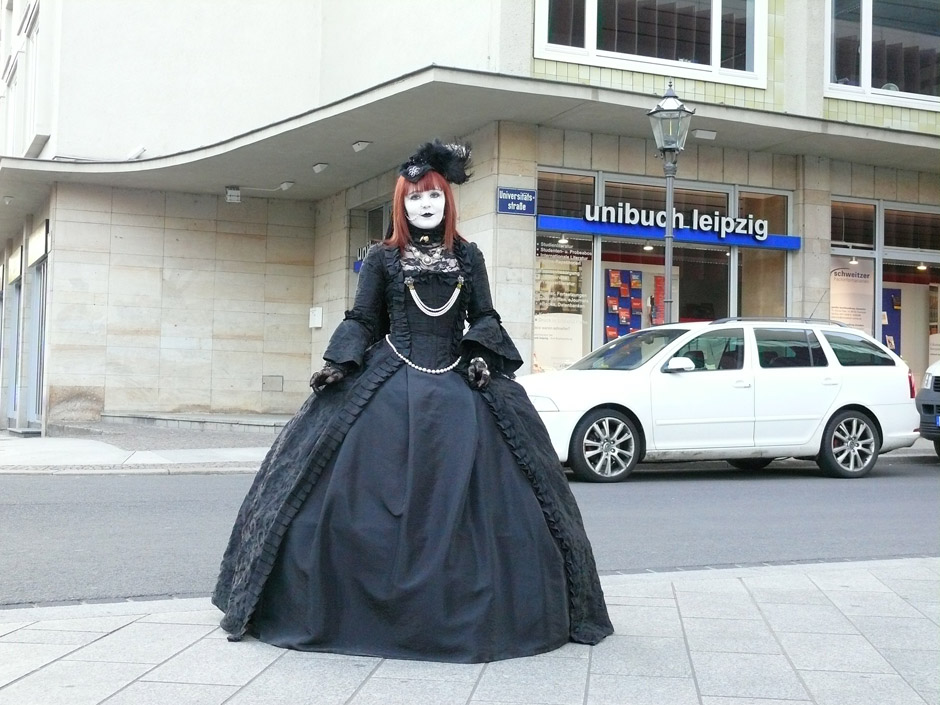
[12, 627]
[637, 585]
[730, 635]
[780, 579]
[87, 624]
[308, 678]
[141, 643]
[605, 689]
[778, 596]
[931, 610]
[397, 691]
[217, 662]
[553, 681]
[717, 606]
[859, 688]
[817, 619]
[918, 668]
[48, 636]
[926, 590]
[855, 580]
[746, 675]
[148, 693]
[645, 621]
[720, 586]
[708, 700]
[908, 570]
[833, 652]
[872, 604]
[640, 601]
[425, 670]
[72, 683]
[641, 656]
[208, 617]
[16, 660]
[900, 632]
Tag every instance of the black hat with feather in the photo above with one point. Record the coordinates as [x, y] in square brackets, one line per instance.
[449, 160]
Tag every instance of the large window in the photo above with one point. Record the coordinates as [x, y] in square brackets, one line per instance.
[885, 47]
[699, 38]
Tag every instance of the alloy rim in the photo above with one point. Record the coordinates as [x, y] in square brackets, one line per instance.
[608, 447]
[853, 444]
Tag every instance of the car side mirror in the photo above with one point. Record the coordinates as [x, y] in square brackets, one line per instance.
[679, 364]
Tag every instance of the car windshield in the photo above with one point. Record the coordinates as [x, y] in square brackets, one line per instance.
[630, 351]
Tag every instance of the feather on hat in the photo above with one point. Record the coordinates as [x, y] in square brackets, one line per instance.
[449, 160]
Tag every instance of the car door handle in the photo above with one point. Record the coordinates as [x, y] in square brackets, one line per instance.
[830, 382]
[742, 384]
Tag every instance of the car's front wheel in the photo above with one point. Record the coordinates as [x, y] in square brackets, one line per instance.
[604, 447]
[849, 446]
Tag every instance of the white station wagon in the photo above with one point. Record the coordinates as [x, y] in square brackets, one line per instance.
[742, 390]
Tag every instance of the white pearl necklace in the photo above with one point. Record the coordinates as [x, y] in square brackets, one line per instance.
[427, 310]
[408, 362]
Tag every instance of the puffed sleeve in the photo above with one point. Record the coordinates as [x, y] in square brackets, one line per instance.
[486, 336]
[367, 321]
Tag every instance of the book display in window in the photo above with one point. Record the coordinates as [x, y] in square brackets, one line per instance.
[623, 311]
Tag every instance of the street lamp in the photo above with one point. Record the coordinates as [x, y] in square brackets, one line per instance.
[670, 120]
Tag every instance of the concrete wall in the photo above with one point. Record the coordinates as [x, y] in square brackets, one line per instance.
[177, 302]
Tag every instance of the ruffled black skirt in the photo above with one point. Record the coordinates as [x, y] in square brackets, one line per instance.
[422, 539]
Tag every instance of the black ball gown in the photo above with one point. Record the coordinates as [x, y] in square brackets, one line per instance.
[402, 513]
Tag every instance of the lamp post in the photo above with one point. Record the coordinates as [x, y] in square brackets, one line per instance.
[670, 120]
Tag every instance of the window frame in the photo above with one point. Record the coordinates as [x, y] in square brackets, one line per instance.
[865, 91]
[592, 56]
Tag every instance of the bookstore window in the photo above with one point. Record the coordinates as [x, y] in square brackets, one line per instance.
[564, 194]
[919, 231]
[900, 55]
[908, 310]
[562, 322]
[852, 225]
[718, 36]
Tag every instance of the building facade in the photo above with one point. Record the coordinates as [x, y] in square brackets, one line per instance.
[187, 192]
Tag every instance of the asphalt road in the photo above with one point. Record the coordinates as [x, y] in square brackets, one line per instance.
[88, 537]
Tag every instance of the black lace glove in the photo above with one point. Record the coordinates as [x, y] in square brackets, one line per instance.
[330, 374]
[478, 372]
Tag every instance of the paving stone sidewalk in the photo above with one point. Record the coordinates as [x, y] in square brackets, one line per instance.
[853, 633]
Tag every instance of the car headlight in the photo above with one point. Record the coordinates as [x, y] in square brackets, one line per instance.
[543, 404]
[928, 380]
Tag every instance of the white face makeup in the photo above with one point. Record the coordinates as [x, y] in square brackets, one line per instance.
[425, 209]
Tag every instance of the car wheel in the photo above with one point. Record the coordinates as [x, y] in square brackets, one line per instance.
[604, 447]
[750, 463]
[849, 446]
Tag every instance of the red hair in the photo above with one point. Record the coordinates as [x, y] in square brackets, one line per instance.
[400, 237]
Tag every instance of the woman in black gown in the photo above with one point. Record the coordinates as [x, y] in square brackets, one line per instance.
[414, 507]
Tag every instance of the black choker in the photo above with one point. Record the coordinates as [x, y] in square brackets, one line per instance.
[426, 236]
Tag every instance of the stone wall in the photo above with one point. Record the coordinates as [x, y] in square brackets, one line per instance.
[177, 302]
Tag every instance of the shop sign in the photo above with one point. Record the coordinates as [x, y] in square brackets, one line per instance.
[623, 220]
[515, 201]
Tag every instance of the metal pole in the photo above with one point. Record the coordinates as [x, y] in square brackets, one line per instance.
[670, 158]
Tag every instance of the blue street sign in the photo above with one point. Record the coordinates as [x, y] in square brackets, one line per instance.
[515, 201]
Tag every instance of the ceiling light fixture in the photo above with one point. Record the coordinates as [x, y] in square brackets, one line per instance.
[7, 200]
[283, 186]
[562, 240]
[233, 194]
[360, 145]
[922, 267]
[854, 260]
[648, 247]
[704, 134]
[319, 167]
